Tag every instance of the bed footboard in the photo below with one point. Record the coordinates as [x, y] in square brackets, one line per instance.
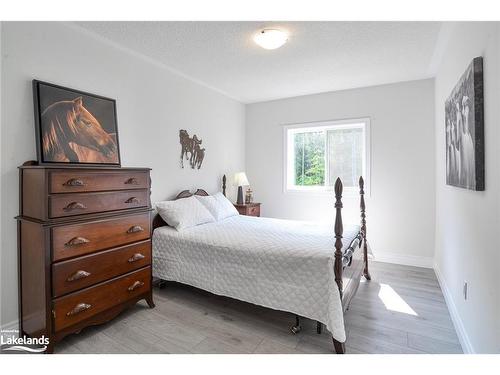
[344, 259]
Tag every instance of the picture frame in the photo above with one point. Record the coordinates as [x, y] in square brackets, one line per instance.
[74, 128]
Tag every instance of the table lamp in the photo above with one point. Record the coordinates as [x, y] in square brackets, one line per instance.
[241, 180]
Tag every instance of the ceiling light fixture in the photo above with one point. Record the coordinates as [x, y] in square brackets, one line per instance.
[270, 38]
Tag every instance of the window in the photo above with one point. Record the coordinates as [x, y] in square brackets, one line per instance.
[317, 153]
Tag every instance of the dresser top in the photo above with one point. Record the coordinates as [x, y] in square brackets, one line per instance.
[253, 204]
[82, 166]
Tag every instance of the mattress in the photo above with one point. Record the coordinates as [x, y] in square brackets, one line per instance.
[280, 264]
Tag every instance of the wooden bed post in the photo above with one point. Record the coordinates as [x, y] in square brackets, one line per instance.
[362, 207]
[224, 185]
[339, 230]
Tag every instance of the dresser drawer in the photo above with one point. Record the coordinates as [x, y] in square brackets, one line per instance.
[78, 273]
[78, 306]
[77, 239]
[250, 209]
[254, 211]
[84, 181]
[61, 205]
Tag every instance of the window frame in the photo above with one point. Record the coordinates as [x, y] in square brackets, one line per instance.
[289, 129]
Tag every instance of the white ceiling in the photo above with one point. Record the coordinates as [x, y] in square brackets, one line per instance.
[319, 56]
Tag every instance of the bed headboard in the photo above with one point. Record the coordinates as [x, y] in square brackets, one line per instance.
[187, 194]
[159, 222]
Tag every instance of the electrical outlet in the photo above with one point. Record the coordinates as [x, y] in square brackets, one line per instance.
[466, 290]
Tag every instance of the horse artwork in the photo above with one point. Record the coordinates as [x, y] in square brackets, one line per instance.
[464, 129]
[192, 147]
[74, 127]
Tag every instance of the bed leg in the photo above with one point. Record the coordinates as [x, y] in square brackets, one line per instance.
[296, 328]
[338, 346]
[366, 273]
[319, 326]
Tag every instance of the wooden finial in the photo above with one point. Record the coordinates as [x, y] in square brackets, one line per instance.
[224, 185]
[339, 230]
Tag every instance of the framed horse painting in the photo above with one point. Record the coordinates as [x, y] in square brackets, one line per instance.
[74, 127]
[464, 127]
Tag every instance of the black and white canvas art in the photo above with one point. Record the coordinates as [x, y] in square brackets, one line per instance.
[464, 114]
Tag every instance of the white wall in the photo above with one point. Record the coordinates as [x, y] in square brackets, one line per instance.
[400, 210]
[152, 103]
[467, 222]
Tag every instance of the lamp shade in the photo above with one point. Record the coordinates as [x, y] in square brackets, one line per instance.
[240, 179]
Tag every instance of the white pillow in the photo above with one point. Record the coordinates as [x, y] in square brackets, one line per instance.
[219, 206]
[184, 213]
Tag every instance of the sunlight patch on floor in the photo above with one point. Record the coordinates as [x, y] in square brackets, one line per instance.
[393, 300]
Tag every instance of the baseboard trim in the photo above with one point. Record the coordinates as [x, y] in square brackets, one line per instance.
[455, 317]
[406, 260]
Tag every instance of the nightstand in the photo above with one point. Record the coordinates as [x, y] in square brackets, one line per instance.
[251, 209]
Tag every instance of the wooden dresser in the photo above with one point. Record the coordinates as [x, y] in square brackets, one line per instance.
[84, 238]
[249, 209]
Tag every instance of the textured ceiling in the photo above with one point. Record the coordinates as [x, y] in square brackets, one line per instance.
[319, 56]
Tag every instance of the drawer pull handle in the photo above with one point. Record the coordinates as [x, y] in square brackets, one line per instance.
[135, 229]
[132, 200]
[135, 257]
[132, 181]
[77, 241]
[78, 275]
[74, 206]
[74, 182]
[78, 309]
[135, 285]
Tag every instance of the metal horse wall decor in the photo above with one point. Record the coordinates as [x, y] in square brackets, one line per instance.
[191, 146]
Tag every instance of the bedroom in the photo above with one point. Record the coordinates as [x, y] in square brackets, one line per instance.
[194, 102]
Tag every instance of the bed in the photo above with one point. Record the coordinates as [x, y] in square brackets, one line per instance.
[285, 265]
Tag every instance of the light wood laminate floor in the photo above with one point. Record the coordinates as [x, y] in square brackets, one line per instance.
[402, 310]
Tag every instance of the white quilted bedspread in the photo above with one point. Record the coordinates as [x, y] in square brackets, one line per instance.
[280, 264]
